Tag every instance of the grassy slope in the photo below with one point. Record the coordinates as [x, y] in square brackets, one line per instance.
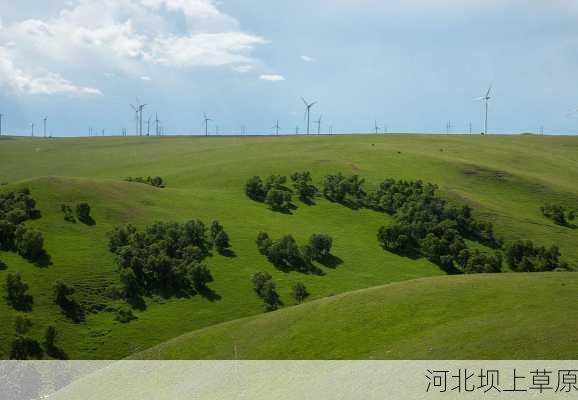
[506, 316]
[506, 178]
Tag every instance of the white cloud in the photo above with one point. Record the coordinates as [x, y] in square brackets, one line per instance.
[146, 78]
[42, 82]
[307, 59]
[242, 68]
[272, 78]
[128, 36]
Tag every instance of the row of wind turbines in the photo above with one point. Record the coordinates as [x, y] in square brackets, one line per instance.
[138, 109]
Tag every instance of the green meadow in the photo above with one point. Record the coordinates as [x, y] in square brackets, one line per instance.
[417, 311]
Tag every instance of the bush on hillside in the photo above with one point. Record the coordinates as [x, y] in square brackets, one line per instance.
[299, 292]
[68, 213]
[320, 245]
[83, 213]
[29, 243]
[302, 185]
[24, 347]
[266, 289]
[155, 181]
[272, 191]
[523, 256]
[68, 304]
[558, 214]
[17, 293]
[344, 190]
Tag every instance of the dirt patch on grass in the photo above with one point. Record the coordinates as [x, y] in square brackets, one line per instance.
[482, 172]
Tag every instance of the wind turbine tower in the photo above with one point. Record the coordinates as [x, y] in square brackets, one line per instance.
[308, 112]
[1, 115]
[206, 122]
[44, 125]
[32, 129]
[377, 128]
[486, 100]
[318, 122]
[276, 127]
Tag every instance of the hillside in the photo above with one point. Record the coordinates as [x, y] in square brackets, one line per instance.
[505, 179]
[505, 316]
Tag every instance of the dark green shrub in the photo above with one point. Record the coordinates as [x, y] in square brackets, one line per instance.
[278, 200]
[266, 289]
[303, 186]
[255, 189]
[558, 214]
[299, 292]
[83, 213]
[29, 243]
[68, 214]
[321, 245]
[24, 347]
[17, 293]
[523, 256]
[69, 306]
[124, 315]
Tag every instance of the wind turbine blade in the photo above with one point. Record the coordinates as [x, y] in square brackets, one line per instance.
[312, 104]
[479, 98]
[305, 102]
[489, 90]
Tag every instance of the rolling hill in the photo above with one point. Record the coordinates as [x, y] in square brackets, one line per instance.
[504, 178]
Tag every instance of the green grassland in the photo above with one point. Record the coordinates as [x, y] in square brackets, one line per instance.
[504, 178]
[457, 317]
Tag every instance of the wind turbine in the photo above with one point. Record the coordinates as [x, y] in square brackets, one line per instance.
[276, 127]
[206, 122]
[44, 125]
[149, 126]
[308, 111]
[318, 122]
[1, 115]
[157, 124]
[32, 129]
[486, 100]
[377, 128]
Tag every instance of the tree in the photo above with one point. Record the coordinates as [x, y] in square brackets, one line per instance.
[24, 347]
[263, 243]
[50, 337]
[278, 200]
[29, 243]
[201, 276]
[321, 245]
[299, 292]
[259, 279]
[216, 228]
[83, 213]
[69, 306]
[222, 242]
[157, 181]
[303, 186]
[255, 189]
[17, 293]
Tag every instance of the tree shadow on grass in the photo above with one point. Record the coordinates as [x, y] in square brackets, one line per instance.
[56, 353]
[209, 294]
[43, 261]
[87, 221]
[228, 253]
[331, 261]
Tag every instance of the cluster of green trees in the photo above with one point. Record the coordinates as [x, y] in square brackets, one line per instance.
[155, 181]
[560, 215]
[524, 256]
[82, 213]
[274, 190]
[346, 190]
[16, 208]
[287, 255]
[25, 347]
[166, 258]
[426, 225]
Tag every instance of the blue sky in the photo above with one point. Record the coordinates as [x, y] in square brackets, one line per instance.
[412, 65]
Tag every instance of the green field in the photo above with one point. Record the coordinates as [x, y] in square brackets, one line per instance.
[504, 178]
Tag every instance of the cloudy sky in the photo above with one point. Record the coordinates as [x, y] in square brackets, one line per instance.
[412, 65]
